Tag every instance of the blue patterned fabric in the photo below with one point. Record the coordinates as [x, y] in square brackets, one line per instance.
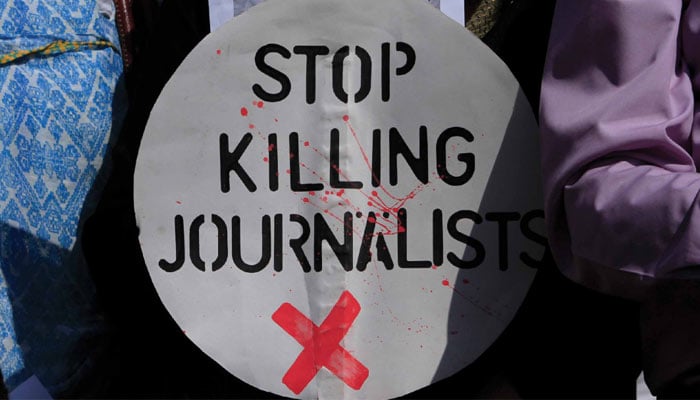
[56, 119]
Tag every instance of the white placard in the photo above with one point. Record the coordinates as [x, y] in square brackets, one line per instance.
[330, 205]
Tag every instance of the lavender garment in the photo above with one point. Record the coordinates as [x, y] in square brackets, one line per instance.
[621, 141]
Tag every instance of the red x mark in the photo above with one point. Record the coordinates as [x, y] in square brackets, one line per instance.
[322, 344]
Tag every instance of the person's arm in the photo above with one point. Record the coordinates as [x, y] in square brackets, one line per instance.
[617, 115]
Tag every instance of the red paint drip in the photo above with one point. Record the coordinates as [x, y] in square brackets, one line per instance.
[346, 118]
[244, 112]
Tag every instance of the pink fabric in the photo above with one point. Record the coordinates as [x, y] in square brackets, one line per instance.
[621, 141]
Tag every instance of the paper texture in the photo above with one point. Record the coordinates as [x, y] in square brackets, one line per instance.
[331, 206]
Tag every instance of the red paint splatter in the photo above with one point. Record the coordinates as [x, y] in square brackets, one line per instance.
[341, 192]
[465, 281]
[306, 144]
[434, 267]
[251, 126]
[305, 200]
[346, 118]
[265, 159]
[178, 202]
[270, 147]
[445, 282]
[259, 104]
[322, 344]
[184, 331]
[288, 171]
[276, 120]
[244, 112]
[374, 193]
[312, 193]
[218, 51]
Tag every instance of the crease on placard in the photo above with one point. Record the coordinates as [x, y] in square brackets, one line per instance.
[348, 107]
[307, 290]
[327, 290]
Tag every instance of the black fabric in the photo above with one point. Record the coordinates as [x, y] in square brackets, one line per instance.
[565, 342]
[151, 357]
[670, 321]
[3, 389]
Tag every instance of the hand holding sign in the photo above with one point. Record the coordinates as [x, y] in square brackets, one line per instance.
[344, 209]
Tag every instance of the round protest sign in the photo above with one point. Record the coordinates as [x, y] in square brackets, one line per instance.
[340, 199]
